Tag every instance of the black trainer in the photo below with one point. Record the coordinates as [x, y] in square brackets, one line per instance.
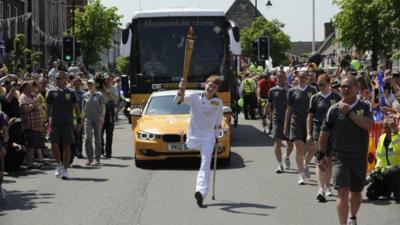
[321, 197]
[199, 197]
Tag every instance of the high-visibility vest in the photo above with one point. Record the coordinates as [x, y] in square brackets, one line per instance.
[388, 157]
[248, 86]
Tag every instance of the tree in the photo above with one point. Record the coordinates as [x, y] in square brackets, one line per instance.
[122, 65]
[279, 41]
[18, 54]
[366, 25]
[22, 58]
[95, 27]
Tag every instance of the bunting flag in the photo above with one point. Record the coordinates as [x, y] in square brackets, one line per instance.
[49, 40]
[7, 22]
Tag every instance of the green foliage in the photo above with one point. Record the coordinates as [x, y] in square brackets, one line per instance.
[367, 25]
[122, 65]
[95, 27]
[279, 41]
[18, 54]
[23, 59]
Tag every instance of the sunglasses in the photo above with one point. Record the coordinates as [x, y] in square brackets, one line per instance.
[322, 84]
[344, 86]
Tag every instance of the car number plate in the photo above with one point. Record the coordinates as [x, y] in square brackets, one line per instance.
[177, 147]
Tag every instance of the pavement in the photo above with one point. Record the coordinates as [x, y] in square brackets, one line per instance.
[248, 192]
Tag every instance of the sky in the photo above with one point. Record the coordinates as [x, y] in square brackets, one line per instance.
[295, 14]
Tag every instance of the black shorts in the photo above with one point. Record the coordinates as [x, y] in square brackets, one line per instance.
[62, 134]
[33, 138]
[298, 132]
[350, 173]
[277, 128]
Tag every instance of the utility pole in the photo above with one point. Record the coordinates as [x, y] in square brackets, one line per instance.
[73, 30]
[313, 25]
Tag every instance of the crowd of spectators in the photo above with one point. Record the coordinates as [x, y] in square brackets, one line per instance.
[32, 114]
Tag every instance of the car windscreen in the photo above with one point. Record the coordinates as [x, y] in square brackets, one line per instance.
[165, 105]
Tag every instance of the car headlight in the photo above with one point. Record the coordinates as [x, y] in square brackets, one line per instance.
[146, 136]
[220, 133]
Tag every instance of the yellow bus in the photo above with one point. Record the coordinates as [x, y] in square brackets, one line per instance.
[156, 40]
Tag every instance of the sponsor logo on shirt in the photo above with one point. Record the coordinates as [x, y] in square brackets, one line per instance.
[333, 101]
[67, 96]
[309, 94]
[214, 102]
[360, 112]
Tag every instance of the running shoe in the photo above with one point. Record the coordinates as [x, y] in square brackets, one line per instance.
[65, 175]
[352, 221]
[59, 171]
[279, 169]
[2, 193]
[321, 196]
[287, 162]
[329, 191]
[301, 180]
[307, 174]
[199, 198]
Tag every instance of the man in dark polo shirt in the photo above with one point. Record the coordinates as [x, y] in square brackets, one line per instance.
[277, 102]
[347, 123]
[296, 123]
[61, 102]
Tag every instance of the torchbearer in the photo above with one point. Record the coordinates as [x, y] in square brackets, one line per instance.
[206, 110]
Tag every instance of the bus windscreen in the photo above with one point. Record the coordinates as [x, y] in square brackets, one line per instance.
[161, 43]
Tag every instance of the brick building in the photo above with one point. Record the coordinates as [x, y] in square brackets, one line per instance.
[243, 13]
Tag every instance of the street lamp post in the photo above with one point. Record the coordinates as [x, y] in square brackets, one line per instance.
[255, 9]
[269, 4]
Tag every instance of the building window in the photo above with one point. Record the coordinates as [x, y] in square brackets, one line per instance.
[8, 11]
[1, 10]
[16, 20]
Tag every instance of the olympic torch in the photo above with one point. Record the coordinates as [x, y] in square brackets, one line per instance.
[188, 53]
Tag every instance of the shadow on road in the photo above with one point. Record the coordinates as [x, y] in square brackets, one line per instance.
[114, 165]
[381, 202]
[123, 157]
[88, 179]
[238, 207]
[19, 200]
[249, 136]
[192, 164]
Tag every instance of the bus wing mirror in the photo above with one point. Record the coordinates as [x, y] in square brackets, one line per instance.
[235, 30]
[126, 33]
[236, 33]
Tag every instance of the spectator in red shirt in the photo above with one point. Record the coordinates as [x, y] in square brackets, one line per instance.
[264, 85]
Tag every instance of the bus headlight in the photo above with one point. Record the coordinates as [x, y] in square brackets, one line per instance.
[142, 135]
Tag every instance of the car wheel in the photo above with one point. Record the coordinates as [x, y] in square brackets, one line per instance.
[140, 163]
[225, 162]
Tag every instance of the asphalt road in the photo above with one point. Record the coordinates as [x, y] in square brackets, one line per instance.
[248, 192]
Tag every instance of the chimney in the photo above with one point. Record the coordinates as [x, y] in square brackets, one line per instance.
[329, 28]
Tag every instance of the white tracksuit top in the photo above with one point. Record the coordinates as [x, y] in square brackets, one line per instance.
[206, 117]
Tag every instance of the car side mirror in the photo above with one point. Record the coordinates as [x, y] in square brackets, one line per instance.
[136, 112]
[226, 109]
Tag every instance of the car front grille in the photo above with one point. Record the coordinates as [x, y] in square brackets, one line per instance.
[171, 138]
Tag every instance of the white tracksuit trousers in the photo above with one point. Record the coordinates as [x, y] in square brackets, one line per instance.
[203, 177]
